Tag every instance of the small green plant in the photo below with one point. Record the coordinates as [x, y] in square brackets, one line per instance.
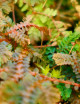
[65, 92]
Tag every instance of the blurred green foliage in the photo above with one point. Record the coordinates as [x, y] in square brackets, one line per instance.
[48, 27]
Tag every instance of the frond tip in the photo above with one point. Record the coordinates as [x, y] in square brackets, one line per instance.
[20, 37]
[62, 59]
[66, 59]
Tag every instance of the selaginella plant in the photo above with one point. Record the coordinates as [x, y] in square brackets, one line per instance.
[35, 52]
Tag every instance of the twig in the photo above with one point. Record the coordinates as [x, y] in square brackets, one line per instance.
[13, 14]
[72, 48]
[46, 78]
[54, 79]
[54, 44]
[59, 4]
[44, 4]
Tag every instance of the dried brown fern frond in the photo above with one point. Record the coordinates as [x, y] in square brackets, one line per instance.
[21, 67]
[73, 60]
[76, 65]
[26, 24]
[62, 59]
[5, 53]
[66, 59]
[16, 68]
[50, 94]
[19, 32]
[5, 21]
[39, 90]
[20, 37]
[29, 91]
[9, 92]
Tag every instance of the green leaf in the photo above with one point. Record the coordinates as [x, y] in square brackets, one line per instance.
[65, 92]
[46, 70]
[43, 19]
[57, 74]
[20, 3]
[38, 8]
[50, 12]
[15, 1]
[25, 7]
[38, 22]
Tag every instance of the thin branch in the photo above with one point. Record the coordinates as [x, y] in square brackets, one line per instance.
[13, 14]
[45, 77]
[71, 48]
[59, 4]
[54, 79]
[54, 44]
[44, 4]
